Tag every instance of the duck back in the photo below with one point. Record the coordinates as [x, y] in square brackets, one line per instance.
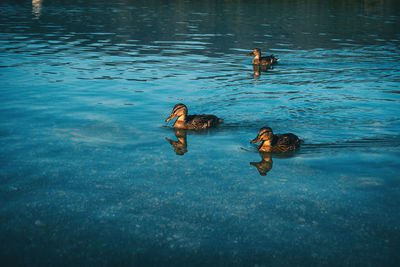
[285, 142]
[202, 121]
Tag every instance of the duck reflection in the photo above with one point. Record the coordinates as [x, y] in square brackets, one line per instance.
[265, 165]
[36, 8]
[180, 146]
[258, 69]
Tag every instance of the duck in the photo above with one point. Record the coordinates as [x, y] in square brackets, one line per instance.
[277, 143]
[192, 122]
[258, 60]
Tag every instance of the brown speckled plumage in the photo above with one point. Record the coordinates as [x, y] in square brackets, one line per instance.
[192, 122]
[271, 142]
[258, 60]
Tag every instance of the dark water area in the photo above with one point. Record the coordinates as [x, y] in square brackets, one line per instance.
[91, 174]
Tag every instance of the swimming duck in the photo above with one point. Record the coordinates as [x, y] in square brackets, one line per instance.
[191, 122]
[258, 60]
[271, 142]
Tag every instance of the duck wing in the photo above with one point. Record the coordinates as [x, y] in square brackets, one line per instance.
[286, 142]
[202, 121]
[268, 60]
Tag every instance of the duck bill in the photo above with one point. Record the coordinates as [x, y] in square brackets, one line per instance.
[255, 140]
[251, 54]
[170, 117]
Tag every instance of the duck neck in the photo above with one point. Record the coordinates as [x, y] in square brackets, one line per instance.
[256, 59]
[180, 122]
[265, 146]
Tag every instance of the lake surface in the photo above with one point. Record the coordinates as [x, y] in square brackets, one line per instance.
[89, 174]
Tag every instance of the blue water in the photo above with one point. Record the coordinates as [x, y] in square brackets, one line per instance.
[88, 175]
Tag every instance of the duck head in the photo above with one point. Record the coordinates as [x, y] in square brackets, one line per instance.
[265, 134]
[256, 52]
[180, 111]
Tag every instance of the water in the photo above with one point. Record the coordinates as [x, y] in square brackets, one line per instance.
[88, 173]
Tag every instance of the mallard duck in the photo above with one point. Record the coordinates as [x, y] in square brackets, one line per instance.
[271, 142]
[258, 60]
[191, 122]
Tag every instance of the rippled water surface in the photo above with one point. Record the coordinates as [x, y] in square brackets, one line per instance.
[89, 170]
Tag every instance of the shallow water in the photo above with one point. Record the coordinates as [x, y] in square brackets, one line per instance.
[88, 176]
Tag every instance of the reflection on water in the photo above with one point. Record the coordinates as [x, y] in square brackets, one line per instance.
[265, 165]
[180, 145]
[257, 70]
[277, 143]
[36, 8]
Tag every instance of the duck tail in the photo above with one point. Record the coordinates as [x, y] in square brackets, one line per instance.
[274, 59]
